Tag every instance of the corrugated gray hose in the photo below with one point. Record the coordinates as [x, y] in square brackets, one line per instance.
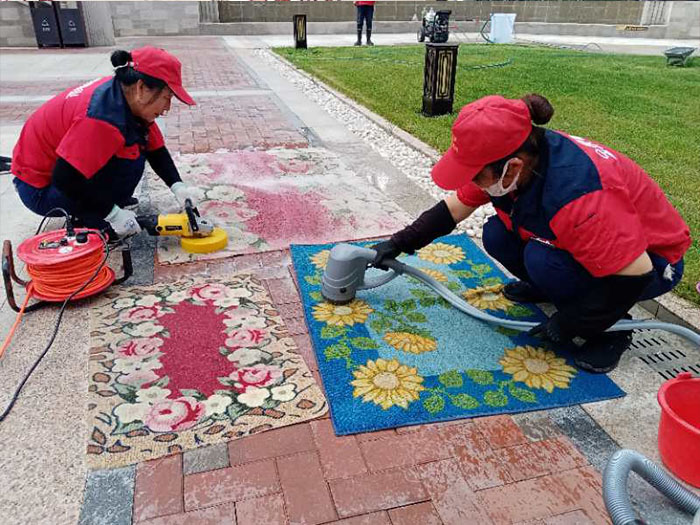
[523, 326]
[617, 501]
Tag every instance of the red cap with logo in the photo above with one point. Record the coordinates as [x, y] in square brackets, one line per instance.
[160, 64]
[485, 131]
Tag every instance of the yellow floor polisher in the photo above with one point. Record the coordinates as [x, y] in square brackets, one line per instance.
[197, 234]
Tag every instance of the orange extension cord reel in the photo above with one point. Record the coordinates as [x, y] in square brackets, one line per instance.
[59, 265]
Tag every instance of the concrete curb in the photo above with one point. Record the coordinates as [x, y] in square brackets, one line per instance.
[668, 307]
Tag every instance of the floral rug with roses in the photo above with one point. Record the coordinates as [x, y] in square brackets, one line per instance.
[266, 200]
[190, 363]
[400, 355]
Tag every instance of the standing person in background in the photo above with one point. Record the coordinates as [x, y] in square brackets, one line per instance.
[365, 12]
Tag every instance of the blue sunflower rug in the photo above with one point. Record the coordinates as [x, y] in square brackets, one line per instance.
[400, 355]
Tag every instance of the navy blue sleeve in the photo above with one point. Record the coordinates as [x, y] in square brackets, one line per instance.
[162, 163]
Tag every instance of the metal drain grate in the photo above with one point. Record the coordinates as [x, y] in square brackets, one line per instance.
[664, 357]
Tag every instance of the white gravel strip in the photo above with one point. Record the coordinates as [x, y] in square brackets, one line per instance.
[411, 162]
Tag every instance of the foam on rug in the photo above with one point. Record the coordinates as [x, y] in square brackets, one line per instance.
[400, 355]
[191, 363]
[266, 200]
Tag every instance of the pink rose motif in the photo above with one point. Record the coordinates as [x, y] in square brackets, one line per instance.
[139, 377]
[140, 313]
[245, 338]
[139, 347]
[257, 376]
[172, 415]
[208, 292]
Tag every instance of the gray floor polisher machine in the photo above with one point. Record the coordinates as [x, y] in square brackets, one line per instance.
[345, 275]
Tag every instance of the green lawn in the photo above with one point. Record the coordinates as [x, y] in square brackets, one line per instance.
[635, 104]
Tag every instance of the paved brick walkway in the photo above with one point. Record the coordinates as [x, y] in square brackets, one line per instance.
[232, 122]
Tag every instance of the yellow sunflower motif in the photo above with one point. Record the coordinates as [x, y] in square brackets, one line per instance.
[537, 368]
[488, 298]
[387, 383]
[345, 314]
[411, 343]
[438, 276]
[441, 253]
[320, 259]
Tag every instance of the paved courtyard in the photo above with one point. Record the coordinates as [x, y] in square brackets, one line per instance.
[536, 468]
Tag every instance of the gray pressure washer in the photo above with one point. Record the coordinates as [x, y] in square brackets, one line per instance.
[345, 271]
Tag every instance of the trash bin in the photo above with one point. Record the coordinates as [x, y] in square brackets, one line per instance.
[45, 24]
[70, 21]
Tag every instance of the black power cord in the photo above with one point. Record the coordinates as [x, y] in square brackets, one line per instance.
[69, 227]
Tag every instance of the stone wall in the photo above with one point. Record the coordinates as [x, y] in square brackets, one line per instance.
[155, 18]
[683, 20]
[16, 29]
[614, 12]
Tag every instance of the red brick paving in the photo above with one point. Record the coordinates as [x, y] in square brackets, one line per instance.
[268, 510]
[158, 489]
[211, 516]
[306, 493]
[236, 483]
[340, 455]
[207, 63]
[273, 443]
[377, 491]
[17, 112]
[229, 122]
[423, 513]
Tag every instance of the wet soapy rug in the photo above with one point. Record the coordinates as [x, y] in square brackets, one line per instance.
[400, 355]
[190, 363]
[266, 200]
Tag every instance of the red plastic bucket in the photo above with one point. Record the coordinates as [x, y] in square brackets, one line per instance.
[679, 427]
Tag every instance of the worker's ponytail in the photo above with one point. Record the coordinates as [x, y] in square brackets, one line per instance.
[541, 111]
[124, 71]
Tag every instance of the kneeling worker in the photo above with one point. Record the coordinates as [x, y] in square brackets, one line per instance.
[581, 225]
[85, 149]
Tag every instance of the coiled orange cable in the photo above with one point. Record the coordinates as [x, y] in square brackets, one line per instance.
[57, 282]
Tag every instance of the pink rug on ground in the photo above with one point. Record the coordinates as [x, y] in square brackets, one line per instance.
[190, 363]
[267, 200]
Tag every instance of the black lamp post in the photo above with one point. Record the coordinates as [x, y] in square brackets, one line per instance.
[439, 79]
[300, 31]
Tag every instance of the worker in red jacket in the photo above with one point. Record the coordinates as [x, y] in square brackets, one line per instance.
[365, 13]
[579, 224]
[85, 149]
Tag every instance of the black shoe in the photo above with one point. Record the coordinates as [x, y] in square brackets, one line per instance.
[523, 292]
[131, 201]
[601, 354]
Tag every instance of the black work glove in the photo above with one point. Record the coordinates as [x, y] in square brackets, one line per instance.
[608, 300]
[385, 250]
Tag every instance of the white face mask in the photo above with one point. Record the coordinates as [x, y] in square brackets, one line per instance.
[497, 190]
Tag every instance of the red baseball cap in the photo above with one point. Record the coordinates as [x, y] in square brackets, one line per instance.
[160, 64]
[485, 131]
